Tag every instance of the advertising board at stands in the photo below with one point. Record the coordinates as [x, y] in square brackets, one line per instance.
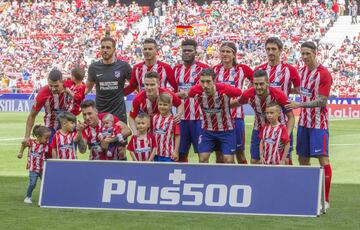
[338, 107]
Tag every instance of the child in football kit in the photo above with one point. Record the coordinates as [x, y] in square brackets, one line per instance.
[65, 139]
[75, 90]
[142, 146]
[39, 150]
[167, 132]
[274, 137]
[110, 130]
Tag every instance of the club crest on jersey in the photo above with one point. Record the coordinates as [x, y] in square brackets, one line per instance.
[117, 74]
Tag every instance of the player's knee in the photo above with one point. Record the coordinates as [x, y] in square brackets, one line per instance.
[229, 160]
[304, 160]
[324, 160]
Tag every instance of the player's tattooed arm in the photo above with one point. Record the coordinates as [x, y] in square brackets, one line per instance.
[321, 101]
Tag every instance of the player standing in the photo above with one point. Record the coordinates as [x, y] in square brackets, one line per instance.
[186, 76]
[281, 75]
[231, 73]
[259, 96]
[217, 126]
[313, 133]
[166, 74]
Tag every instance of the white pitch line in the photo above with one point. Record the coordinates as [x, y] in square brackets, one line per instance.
[10, 139]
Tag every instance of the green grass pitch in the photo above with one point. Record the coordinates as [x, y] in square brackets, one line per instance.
[14, 214]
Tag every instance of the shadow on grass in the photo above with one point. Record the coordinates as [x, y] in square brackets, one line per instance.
[14, 214]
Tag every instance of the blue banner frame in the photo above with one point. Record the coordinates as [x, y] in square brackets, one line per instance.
[173, 187]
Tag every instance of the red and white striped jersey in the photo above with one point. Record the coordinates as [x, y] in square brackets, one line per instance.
[216, 108]
[73, 103]
[54, 104]
[259, 104]
[282, 76]
[234, 76]
[313, 84]
[64, 145]
[90, 134]
[141, 104]
[142, 147]
[274, 139]
[36, 156]
[186, 77]
[166, 75]
[165, 129]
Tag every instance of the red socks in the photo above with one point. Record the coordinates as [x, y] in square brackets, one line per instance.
[328, 174]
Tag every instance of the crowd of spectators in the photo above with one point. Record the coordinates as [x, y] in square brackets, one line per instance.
[37, 37]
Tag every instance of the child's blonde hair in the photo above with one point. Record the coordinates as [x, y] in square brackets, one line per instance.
[166, 98]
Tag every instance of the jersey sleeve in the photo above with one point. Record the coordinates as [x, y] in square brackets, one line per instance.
[248, 73]
[133, 84]
[130, 146]
[171, 77]
[244, 99]
[128, 71]
[176, 101]
[294, 76]
[325, 83]
[232, 91]
[80, 93]
[40, 100]
[280, 97]
[195, 90]
[91, 74]
[135, 107]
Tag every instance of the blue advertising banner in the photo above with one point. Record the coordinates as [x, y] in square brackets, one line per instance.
[204, 188]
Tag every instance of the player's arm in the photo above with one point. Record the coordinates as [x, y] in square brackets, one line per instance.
[30, 124]
[286, 150]
[79, 140]
[125, 130]
[176, 149]
[90, 82]
[179, 112]
[232, 91]
[261, 151]
[132, 154]
[153, 153]
[171, 78]
[133, 84]
[22, 149]
[89, 86]
[291, 121]
[320, 101]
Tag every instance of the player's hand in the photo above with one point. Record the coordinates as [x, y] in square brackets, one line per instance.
[25, 141]
[177, 118]
[80, 126]
[20, 155]
[292, 105]
[282, 162]
[182, 94]
[175, 156]
[69, 92]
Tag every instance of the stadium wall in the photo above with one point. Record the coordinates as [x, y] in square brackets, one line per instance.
[338, 107]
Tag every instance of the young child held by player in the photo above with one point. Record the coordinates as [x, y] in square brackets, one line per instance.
[39, 150]
[142, 145]
[75, 90]
[167, 132]
[112, 132]
[67, 137]
[274, 137]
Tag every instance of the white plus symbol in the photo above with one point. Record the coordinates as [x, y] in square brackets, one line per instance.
[177, 176]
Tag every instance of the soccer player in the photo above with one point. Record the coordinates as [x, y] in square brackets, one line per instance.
[147, 101]
[166, 75]
[66, 138]
[186, 76]
[93, 124]
[234, 74]
[75, 89]
[166, 130]
[258, 96]
[142, 146]
[281, 75]
[109, 75]
[217, 126]
[274, 137]
[52, 99]
[39, 150]
[313, 134]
